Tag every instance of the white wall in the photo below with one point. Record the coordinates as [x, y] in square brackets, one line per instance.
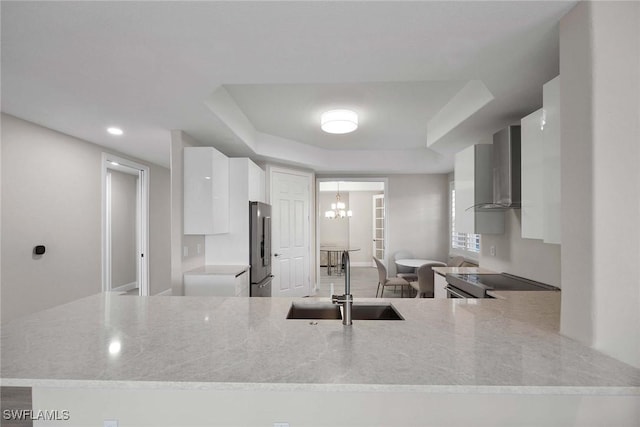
[181, 244]
[124, 189]
[51, 195]
[600, 69]
[418, 221]
[528, 258]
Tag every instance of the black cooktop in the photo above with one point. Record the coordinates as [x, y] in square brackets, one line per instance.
[478, 284]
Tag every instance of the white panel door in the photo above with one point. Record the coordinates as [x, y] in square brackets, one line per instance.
[290, 200]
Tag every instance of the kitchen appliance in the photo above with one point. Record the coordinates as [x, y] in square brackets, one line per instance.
[506, 171]
[478, 285]
[260, 249]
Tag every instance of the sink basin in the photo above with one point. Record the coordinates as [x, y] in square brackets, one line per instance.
[375, 312]
[314, 311]
[321, 311]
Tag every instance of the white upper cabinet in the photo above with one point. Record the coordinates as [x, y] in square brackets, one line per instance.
[206, 191]
[532, 150]
[247, 184]
[541, 168]
[474, 185]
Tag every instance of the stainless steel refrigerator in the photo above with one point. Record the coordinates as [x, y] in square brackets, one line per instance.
[260, 249]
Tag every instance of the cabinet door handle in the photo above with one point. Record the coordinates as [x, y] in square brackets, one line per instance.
[276, 254]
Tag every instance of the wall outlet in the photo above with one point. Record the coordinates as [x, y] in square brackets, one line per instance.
[492, 250]
[110, 423]
[185, 251]
[280, 424]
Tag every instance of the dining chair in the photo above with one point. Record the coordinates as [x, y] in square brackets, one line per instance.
[402, 271]
[455, 261]
[384, 280]
[424, 284]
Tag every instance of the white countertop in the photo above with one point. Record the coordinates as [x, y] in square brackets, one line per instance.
[226, 270]
[453, 345]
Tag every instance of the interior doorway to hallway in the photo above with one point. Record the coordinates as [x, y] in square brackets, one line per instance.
[125, 225]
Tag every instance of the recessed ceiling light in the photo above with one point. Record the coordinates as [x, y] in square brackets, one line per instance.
[339, 121]
[115, 163]
[115, 131]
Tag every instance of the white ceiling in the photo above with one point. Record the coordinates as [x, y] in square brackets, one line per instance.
[250, 78]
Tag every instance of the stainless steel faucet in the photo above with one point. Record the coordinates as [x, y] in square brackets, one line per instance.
[347, 299]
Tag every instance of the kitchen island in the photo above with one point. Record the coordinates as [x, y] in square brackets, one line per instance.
[243, 358]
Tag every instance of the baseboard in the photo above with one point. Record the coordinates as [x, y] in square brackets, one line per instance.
[125, 288]
[166, 293]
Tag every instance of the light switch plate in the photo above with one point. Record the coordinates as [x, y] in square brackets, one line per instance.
[185, 251]
[492, 249]
[110, 423]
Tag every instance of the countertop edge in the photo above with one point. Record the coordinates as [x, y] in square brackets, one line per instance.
[311, 387]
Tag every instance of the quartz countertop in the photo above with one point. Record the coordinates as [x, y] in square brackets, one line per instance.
[462, 270]
[227, 270]
[452, 345]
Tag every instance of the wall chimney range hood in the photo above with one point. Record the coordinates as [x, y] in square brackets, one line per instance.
[506, 171]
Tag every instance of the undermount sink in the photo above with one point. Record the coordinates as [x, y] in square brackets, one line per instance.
[322, 311]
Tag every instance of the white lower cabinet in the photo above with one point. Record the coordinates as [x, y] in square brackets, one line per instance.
[439, 283]
[215, 280]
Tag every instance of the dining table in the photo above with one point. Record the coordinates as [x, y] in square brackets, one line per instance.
[334, 252]
[415, 262]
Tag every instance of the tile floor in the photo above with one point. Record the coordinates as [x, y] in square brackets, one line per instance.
[364, 282]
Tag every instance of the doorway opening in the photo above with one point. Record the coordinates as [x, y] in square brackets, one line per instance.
[360, 229]
[125, 226]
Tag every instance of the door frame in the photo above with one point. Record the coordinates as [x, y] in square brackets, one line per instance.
[310, 175]
[319, 212]
[142, 226]
[384, 225]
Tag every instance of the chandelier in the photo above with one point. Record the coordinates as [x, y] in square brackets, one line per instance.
[338, 209]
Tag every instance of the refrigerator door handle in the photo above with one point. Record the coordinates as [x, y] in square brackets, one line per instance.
[264, 282]
[266, 241]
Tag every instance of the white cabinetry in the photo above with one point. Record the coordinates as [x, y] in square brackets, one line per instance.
[247, 183]
[474, 185]
[217, 280]
[541, 168]
[439, 285]
[206, 191]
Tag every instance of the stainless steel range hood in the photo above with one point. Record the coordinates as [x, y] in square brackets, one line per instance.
[506, 171]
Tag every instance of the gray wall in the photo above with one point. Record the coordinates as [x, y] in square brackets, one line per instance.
[528, 258]
[418, 221]
[333, 231]
[600, 71]
[124, 189]
[51, 195]
[193, 246]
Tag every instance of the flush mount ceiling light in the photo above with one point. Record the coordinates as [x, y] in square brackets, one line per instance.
[339, 121]
[115, 131]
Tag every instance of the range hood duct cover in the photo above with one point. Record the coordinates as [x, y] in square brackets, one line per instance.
[507, 171]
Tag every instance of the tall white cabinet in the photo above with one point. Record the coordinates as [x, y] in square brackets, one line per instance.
[541, 168]
[206, 191]
[473, 185]
[247, 184]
